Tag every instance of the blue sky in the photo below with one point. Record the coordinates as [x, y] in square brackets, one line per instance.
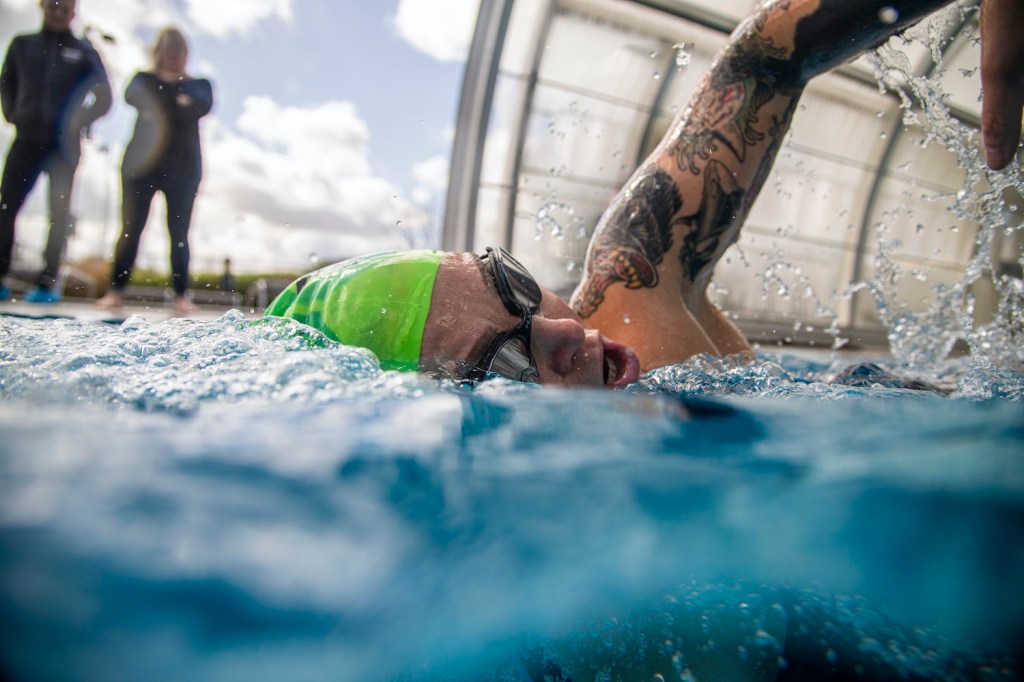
[330, 134]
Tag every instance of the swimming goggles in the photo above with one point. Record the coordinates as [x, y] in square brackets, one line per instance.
[509, 355]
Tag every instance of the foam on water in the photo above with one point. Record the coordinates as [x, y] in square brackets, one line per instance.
[227, 499]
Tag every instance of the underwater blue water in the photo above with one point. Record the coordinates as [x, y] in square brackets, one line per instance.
[219, 500]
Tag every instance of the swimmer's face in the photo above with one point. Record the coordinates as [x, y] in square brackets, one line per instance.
[467, 315]
[58, 14]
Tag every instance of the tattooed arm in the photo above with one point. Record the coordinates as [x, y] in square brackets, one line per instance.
[651, 258]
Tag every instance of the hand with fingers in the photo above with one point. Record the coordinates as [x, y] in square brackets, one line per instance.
[1002, 79]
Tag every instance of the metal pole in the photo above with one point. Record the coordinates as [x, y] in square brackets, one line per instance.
[471, 125]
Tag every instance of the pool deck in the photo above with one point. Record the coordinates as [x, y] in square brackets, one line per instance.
[87, 310]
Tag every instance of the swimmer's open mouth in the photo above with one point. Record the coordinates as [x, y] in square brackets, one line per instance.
[621, 366]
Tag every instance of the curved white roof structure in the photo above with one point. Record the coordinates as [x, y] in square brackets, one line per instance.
[564, 98]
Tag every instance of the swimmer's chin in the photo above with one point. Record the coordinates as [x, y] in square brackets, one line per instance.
[621, 365]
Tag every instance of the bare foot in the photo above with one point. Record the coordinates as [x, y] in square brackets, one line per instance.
[112, 299]
[183, 306]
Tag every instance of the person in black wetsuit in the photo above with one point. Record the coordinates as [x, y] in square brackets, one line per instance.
[53, 87]
[163, 155]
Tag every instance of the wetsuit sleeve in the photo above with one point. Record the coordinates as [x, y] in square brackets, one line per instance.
[200, 91]
[9, 81]
[99, 86]
[137, 94]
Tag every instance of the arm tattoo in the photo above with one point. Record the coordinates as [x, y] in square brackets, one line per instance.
[725, 134]
[746, 77]
[633, 239]
[720, 207]
[776, 133]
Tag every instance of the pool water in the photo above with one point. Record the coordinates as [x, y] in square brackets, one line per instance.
[223, 500]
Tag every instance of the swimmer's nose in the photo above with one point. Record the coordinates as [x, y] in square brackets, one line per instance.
[554, 342]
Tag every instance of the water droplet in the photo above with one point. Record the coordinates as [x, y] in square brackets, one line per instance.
[888, 15]
[683, 56]
[657, 76]
[627, 319]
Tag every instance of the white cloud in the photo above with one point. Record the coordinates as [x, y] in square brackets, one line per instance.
[422, 196]
[331, 134]
[432, 173]
[442, 29]
[222, 17]
[300, 176]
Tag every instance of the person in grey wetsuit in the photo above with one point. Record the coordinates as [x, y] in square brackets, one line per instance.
[164, 155]
[53, 86]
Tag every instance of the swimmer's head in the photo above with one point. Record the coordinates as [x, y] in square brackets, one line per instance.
[456, 314]
[379, 302]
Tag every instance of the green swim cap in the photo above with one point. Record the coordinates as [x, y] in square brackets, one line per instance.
[379, 302]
